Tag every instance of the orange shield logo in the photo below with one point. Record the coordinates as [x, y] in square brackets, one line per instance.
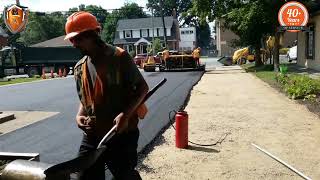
[15, 18]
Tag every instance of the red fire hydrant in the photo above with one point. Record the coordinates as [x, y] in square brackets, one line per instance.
[181, 129]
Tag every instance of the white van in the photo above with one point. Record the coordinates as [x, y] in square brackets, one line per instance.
[292, 53]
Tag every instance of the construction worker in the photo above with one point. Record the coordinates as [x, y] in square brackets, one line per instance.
[196, 55]
[165, 54]
[110, 88]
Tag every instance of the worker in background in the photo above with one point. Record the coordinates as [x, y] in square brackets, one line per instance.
[196, 55]
[165, 54]
[111, 89]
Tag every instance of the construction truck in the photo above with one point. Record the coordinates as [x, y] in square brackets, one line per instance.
[241, 56]
[175, 61]
[34, 60]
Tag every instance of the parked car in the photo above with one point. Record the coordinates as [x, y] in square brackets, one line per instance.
[292, 53]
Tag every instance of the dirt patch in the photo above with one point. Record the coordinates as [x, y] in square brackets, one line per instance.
[252, 112]
[313, 106]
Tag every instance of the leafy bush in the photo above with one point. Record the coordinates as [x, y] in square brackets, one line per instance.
[282, 79]
[132, 54]
[283, 51]
[299, 86]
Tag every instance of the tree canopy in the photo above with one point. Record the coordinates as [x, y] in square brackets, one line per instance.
[251, 20]
[41, 28]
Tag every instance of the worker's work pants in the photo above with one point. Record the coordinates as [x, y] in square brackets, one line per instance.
[120, 157]
[197, 61]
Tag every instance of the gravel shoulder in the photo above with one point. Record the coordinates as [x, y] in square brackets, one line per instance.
[228, 100]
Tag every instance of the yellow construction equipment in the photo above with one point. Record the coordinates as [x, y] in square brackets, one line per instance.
[241, 56]
[174, 61]
[149, 65]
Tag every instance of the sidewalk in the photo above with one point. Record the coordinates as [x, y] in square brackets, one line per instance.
[304, 71]
[230, 100]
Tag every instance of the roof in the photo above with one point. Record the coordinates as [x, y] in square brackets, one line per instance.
[144, 23]
[55, 42]
[134, 40]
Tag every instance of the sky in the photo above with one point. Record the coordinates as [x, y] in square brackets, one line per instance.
[64, 5]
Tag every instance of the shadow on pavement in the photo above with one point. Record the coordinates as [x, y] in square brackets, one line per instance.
[203, 149]
[226, 72]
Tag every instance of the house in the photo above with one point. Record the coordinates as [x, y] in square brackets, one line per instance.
[136, 34]
[55, 42]
[309, 41]
[188, 39]
[224, 39]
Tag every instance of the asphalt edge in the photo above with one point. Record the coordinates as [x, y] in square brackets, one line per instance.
[143, 153]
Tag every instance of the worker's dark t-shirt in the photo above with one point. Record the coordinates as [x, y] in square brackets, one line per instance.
[112, 88]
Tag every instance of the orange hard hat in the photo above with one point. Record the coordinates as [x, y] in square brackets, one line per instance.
[79, 22]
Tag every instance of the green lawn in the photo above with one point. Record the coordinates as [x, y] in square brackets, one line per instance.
[265, 72]
[19, 80]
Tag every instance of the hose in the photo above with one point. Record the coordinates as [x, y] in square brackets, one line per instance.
[198, 144]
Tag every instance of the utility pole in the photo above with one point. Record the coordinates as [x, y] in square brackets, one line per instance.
[164, 26]
[152, 31]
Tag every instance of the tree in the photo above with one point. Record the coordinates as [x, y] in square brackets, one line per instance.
[41, 28]
[168, 6]
[185, 18]
[181, 7]
[203, 35]
[251, 20]
[250, 25]
[131, 11]
[157, 45]
[97, 11]
[128, 11]
[110, 27]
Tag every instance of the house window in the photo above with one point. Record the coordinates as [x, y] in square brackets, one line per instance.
[161, 32]
[128, 34]
[191, 32]
[144, 32]
[128, 47]
[187, 32]
[310, 44]
[182, 32]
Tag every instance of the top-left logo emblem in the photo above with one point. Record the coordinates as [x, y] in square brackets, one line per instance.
[15, 18]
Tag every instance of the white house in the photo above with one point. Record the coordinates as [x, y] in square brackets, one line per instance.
[188, 38]
[136, 34]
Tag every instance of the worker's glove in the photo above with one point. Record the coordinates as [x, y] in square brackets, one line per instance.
[82, 122]
[121, 121]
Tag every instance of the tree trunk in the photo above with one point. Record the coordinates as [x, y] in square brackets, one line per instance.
[276, 52]
[257, 55]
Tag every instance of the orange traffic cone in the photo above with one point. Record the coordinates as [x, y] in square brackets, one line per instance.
[43, 74]
[60, 72]
[51, 72]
